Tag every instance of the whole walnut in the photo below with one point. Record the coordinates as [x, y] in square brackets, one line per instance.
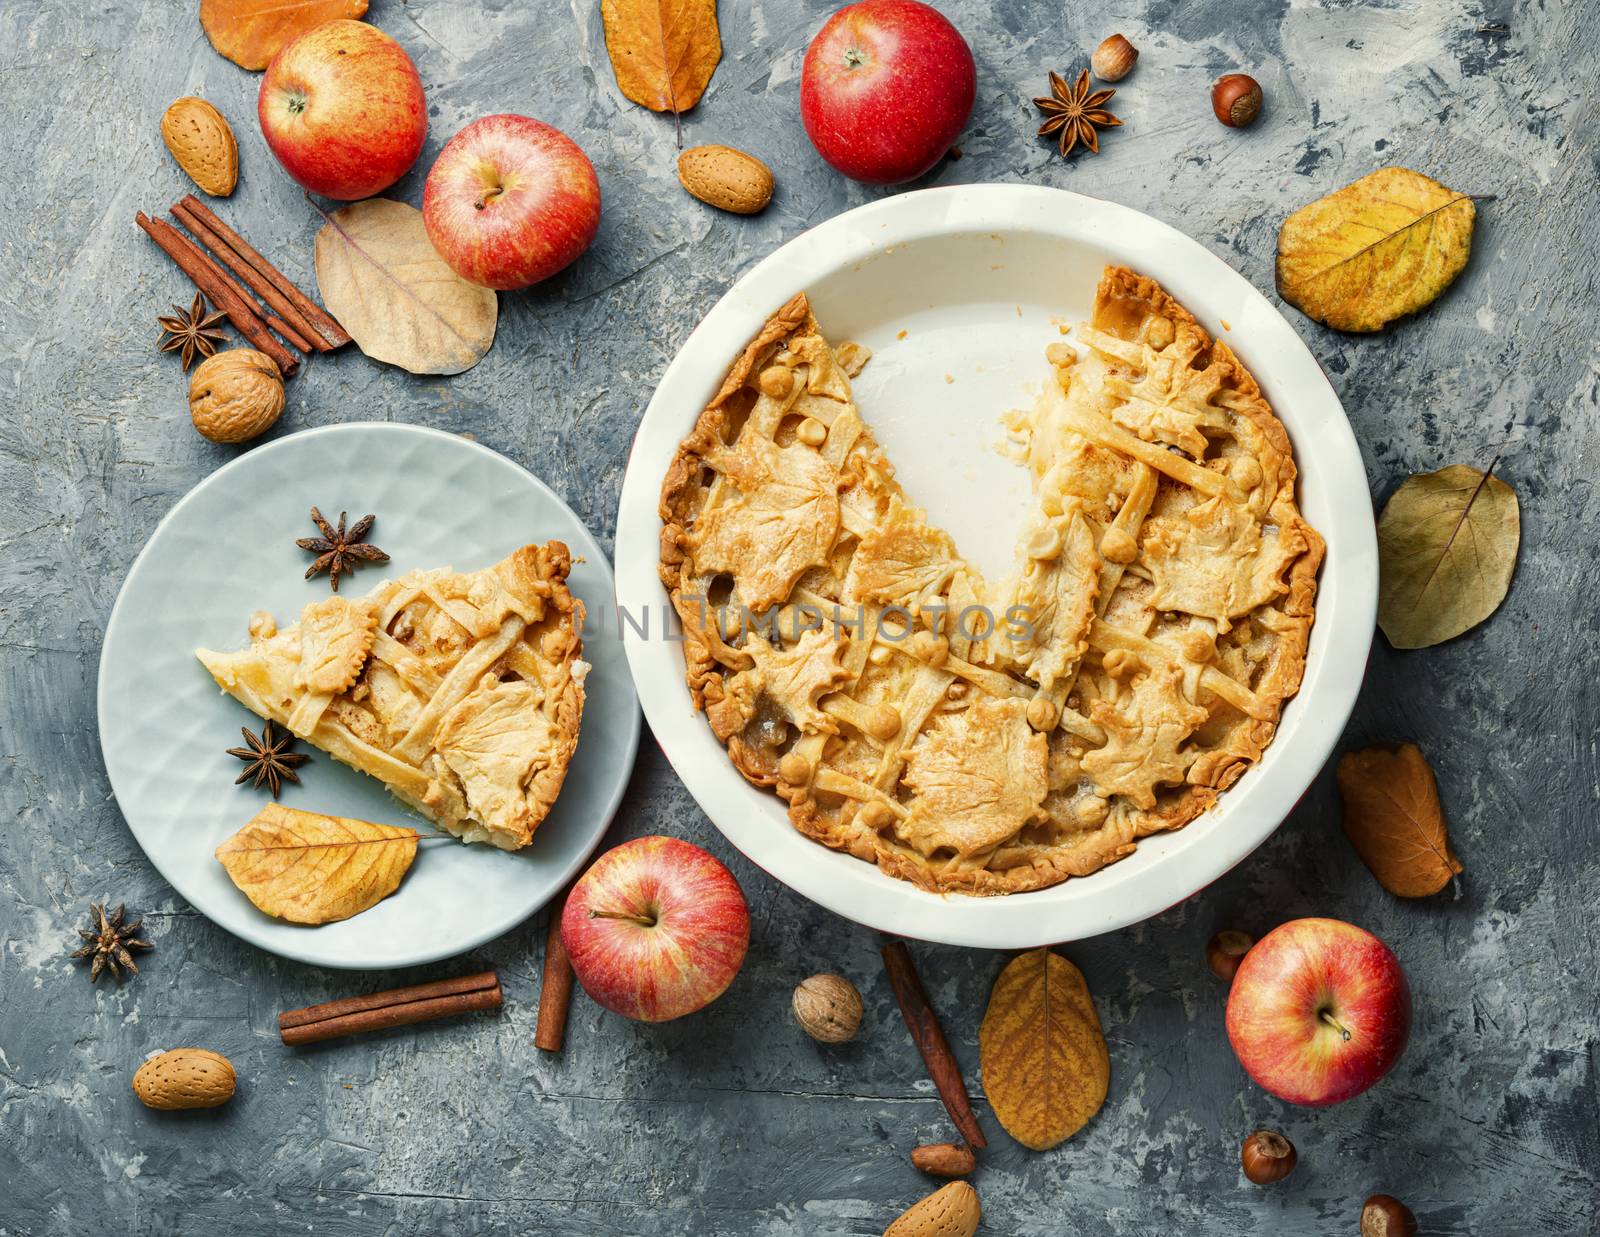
[235, 395]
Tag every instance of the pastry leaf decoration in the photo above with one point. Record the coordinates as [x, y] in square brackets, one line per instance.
[383, 280]
[309, 868]
[1393, 818]
[663, 52]
[251, 32]
[1045, 1066]
[1378, 249]
[1447, 545]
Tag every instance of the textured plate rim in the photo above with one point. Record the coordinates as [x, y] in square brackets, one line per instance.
[1186, 860]
[471, 941]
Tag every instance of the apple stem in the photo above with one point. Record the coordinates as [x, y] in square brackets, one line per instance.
[644, 921]
[1333, 1022]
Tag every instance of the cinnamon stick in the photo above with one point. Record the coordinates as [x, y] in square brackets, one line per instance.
[555, 989]
[923, 1024]
[303, 335]
[319, 318]
[398, 1007]
[210, 279]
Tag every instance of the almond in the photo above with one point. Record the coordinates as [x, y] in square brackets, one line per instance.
[201, 142]
[952, 1211]
[185, 1078]
[726, 178]
[945, 1159]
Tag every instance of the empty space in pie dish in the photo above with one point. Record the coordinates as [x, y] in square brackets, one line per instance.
[981, 279]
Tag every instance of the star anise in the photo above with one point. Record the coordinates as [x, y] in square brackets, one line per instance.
[191, 333]
[339, 550]
[109, 942]
[1073, 113]
[268, 759]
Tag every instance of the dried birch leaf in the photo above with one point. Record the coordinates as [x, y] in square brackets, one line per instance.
[1447, 545]
[1378, 249]
[390, 289]
[309, 868]
[662, 51]
[1043, 1057]
[250, 32]
[1393, 818]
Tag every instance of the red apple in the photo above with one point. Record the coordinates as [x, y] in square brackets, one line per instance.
[656, 929]
[342, 109]
[510, 201]
[1319, 1011]
[885, 89]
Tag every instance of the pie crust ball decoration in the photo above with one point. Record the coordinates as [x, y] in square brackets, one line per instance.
[656, 929]
[461, 691]
[510, 201]
[885, 89]
[235, 395]
[342, 109]
[1167, 573]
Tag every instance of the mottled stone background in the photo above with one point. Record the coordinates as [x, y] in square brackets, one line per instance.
[732, 1122]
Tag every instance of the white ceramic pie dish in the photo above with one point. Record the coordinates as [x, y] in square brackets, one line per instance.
[228, 548]
[957, 292]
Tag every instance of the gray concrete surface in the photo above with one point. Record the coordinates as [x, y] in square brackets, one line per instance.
[732, 1122]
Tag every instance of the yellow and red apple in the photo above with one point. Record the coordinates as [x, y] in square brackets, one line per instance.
[656, 929]
[342, 109]
[510, 201]
[885, 89]
[1319, 1011]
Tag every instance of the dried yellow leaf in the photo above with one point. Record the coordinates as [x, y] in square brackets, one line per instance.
[1393, 818]
[381, 277]
[309, 868]
[1378, 249]
[251, 32]
[1043, 1056]
[1447, 545]
[662, 51]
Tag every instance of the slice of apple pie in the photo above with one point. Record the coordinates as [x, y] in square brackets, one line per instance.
[995, 738]
[460, 691]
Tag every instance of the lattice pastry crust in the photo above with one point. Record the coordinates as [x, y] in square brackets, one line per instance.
[461, 692]
[1164, 587]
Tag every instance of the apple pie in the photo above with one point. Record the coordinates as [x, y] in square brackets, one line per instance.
[993, 738]
[459, 691]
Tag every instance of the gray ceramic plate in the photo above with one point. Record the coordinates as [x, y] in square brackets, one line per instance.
[229, 548]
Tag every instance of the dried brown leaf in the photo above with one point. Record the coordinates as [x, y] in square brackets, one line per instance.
[1447, 545]
[1043, 1056]
[251, 32]
[1378, 249]
[662, 51]
[309, 868]
[1393, 818]
[386, 284]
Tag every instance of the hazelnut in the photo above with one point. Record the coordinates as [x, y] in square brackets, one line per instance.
[828, 1008]
[944, 1159]
[1225, 951]
[1236, 100]
[1383, 1215]
[1267, 1156]
[235, 395]
[1114, 59]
